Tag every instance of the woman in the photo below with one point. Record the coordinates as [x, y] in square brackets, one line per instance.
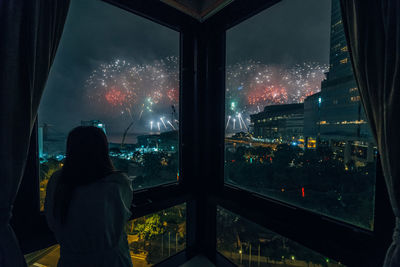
[87, 204]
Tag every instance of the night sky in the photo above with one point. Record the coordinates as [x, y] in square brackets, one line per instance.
[292, 31]
[96, 33]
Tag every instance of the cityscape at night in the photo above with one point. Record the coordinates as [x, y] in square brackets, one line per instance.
[315, 149]
[212, 133]
[295, 129]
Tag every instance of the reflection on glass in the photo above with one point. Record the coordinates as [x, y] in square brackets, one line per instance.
[125, 84]
[295, 126]
[247, 244]
[151, 239]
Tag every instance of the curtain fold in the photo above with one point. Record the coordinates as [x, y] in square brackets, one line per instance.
[30, 34]
[373, 35]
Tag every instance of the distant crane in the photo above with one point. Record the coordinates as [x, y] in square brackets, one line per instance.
[124, 136]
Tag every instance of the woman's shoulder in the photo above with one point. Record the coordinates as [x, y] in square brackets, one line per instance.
[118, 177]
[118, 182]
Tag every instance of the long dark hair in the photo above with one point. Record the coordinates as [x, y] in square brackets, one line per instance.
[87, 160]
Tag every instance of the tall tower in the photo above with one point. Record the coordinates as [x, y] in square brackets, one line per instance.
[339, 58]
[341, 113]
[335, 115]
[40, 141]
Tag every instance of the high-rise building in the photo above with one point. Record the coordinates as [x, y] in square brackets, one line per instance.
[335, 115]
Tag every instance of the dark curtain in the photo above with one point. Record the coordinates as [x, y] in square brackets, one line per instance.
[373, 35]
[30, 31]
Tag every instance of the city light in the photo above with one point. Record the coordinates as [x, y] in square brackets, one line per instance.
[162, 120]
[227, 123]
[171, 125]
[240, 122]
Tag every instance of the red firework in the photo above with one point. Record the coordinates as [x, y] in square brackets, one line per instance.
[268, 95]
[307, 94]
[173, 95]
[115, 97]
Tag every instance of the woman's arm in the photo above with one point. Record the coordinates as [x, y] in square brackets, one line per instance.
[49, 200]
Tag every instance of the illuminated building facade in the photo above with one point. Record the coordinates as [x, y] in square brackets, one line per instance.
[165, 141]
[148, 140]
[335, 115]
[279, 122]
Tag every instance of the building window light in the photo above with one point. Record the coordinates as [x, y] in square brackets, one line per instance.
[337, 46]
[337, 23]
[343, 61]
[353, 122]
[344, 49]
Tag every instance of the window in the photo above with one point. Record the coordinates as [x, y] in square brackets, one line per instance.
[151, 239]
[247, 244]
[286, 136]
[121, 75]
[155, 237]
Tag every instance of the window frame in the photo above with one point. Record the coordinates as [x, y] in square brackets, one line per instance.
[201, 139]
[347, 243]
[146, 201]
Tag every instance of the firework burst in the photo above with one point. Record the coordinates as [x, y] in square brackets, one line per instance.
[252, 85]
[120, 87]
[148, 91]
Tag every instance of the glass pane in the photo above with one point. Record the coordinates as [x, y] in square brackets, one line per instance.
[247, 244]
[119, 72]
[295, 126]
[155, 237]
[151, 239]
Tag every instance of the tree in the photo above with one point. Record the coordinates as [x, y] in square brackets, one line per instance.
[262, 152]
[149, 226]
[48, 168]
